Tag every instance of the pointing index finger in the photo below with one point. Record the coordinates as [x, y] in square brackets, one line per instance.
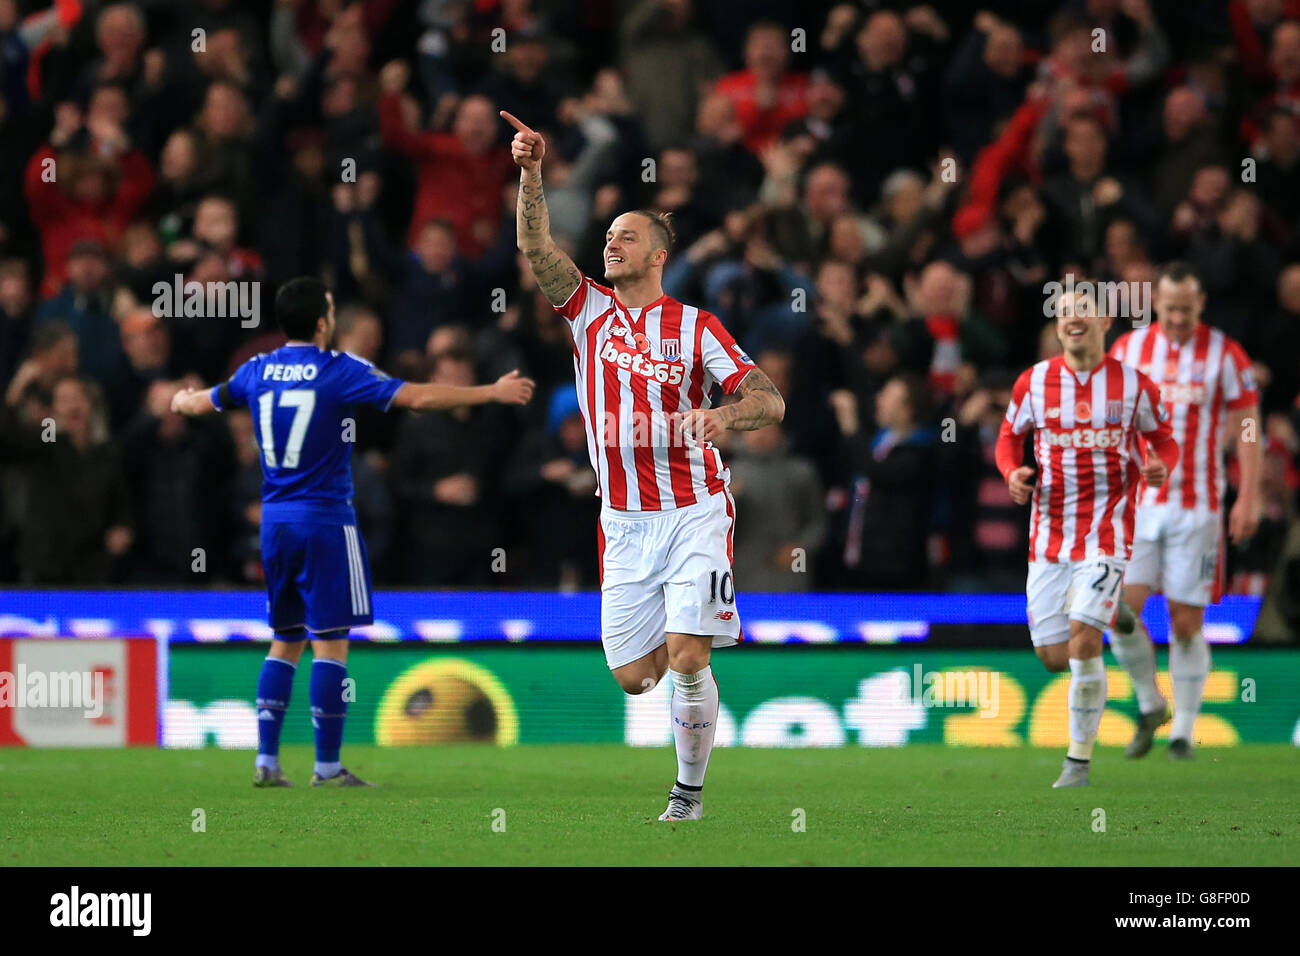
[513, 121]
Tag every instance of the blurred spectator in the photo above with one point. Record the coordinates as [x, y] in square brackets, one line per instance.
[1237, 266]
[1277, 345]
[889, 90]
[85, 304]
[1084, 199]
[444, 474]
[1281, 81]
[461, 172]
[803, 232]
[728, 170]
[666, 61]
[984, 83]
[174, 466]
[887, 522]
[766, 95]
[1278, 173]
[522, 85]
[944, 335]
[552, 488]
[70, 504]
[1190, 143]
[85, 184]
[990, 536]
[786, 520]
[17, 312]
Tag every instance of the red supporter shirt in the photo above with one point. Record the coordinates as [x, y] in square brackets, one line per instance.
[764, 126]
[453, 184]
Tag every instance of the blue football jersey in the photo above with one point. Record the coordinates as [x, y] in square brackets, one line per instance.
[302, 401]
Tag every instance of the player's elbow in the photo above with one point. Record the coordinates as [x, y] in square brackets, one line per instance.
[415, 398]
[778, 409]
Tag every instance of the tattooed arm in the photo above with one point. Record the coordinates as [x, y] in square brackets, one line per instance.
[555, 272]
[760, 405]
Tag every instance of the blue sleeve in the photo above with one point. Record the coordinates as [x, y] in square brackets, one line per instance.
[362, 382]
[235, 393]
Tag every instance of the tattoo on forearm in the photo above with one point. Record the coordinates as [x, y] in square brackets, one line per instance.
[760, 404]
[533, 218]
[556, 274]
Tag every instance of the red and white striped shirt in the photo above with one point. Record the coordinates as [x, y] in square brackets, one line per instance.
[635, 368]
[1086, 440]
[1197, 380]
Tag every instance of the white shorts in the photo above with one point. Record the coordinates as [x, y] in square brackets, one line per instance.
[1063, 591]
[666, 571]
[1176, 550]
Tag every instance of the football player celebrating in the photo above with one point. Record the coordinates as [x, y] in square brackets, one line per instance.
[645, 365]
[1088, 413]
[1204, 378]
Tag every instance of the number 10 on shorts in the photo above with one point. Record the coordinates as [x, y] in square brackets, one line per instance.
[721, 587]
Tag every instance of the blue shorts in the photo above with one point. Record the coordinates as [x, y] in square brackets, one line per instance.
[317, 576]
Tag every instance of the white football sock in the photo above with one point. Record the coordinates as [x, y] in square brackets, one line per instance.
[1189, 666]
[1137, 655]
[1087, 699]
[695, 718]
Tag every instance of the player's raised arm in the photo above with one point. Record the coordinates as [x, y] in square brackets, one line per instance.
[555, 272]
[510, 389]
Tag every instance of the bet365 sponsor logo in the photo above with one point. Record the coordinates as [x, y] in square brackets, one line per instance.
[666, 373]
[1084, 437]
[1183, 393]
[133, 911]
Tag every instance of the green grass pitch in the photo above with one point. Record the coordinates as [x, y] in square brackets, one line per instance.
[922, 804]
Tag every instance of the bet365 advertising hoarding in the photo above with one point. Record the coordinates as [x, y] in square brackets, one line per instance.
[783, 696]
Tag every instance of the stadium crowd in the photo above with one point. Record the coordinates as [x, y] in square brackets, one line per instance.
[871, 196]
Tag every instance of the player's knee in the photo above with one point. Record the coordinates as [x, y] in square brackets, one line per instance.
[1055, 657]
[288, 645]
[688, 655]
[1184, 622]
[1135, 596]
[636, 683]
